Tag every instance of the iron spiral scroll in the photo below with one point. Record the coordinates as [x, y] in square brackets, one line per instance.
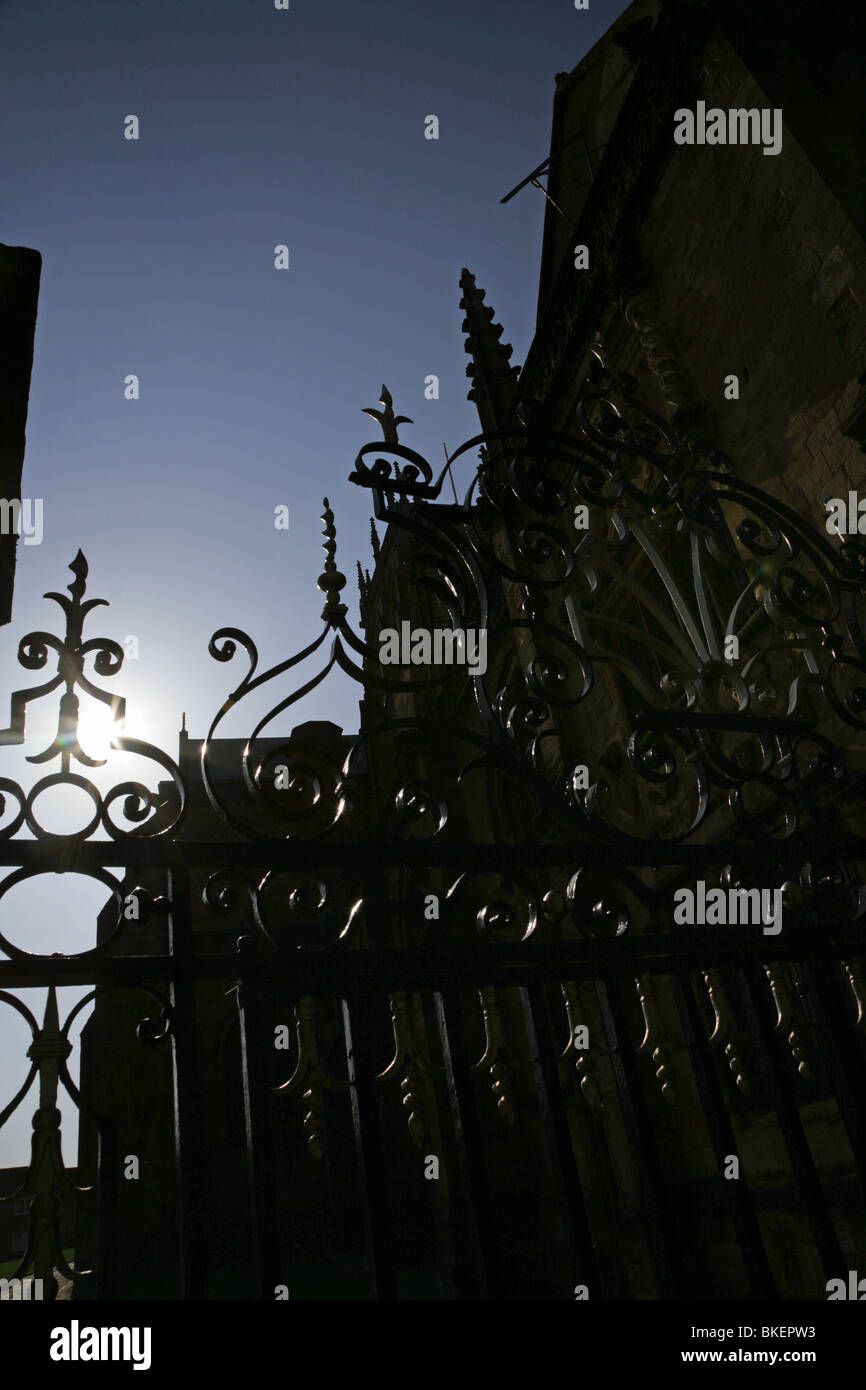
[71, 652]
[727, 760]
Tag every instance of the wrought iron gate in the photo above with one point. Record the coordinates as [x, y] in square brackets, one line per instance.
[415, 990]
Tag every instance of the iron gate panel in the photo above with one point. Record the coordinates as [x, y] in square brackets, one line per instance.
[502, 1067]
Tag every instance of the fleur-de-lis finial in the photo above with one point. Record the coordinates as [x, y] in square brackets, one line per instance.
[33, 651]
[79, 584]
[75, 610]
[331, 581]
[386, 417]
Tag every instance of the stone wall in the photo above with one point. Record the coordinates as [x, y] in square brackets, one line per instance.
[20, 269]
[761, 274]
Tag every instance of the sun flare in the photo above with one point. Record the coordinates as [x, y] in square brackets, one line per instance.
[97, 727]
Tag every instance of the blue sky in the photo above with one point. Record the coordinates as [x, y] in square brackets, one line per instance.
[257, 127]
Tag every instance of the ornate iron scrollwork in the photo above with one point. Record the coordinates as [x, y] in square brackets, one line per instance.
[139, 803]
[673, 663]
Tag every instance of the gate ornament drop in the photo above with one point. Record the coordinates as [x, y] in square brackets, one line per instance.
[673, 685]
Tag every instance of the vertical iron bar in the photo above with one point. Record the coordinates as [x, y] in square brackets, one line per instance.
[662, 1222]
[356, 1023]
[785, 1102]
[847, 1068]
[189, 1146]
[107, 1207]
[252, 1004]
[555, 1120]
[477, 1271]
[723, 1139]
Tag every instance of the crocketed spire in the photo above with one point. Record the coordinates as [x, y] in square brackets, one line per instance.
[493, 376]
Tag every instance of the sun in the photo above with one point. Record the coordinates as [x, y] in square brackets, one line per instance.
[97, 727]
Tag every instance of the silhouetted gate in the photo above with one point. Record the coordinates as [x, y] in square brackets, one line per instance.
[428, 1015]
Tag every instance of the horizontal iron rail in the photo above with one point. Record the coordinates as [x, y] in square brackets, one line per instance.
[728, 723]
[72, 857]
[335, 970]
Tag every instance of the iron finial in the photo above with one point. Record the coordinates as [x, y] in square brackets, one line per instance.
[79, 584]
[386, 417]
[331, 581]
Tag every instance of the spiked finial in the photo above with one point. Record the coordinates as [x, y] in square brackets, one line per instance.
[386, 417]
[374, 541]
[79, 584]
[331, 581]
[74, 609]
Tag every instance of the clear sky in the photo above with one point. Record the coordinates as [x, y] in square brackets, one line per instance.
[258, 127]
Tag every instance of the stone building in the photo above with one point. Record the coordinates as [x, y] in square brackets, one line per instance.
[713, 260]
[19, 290]
[20, 269]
